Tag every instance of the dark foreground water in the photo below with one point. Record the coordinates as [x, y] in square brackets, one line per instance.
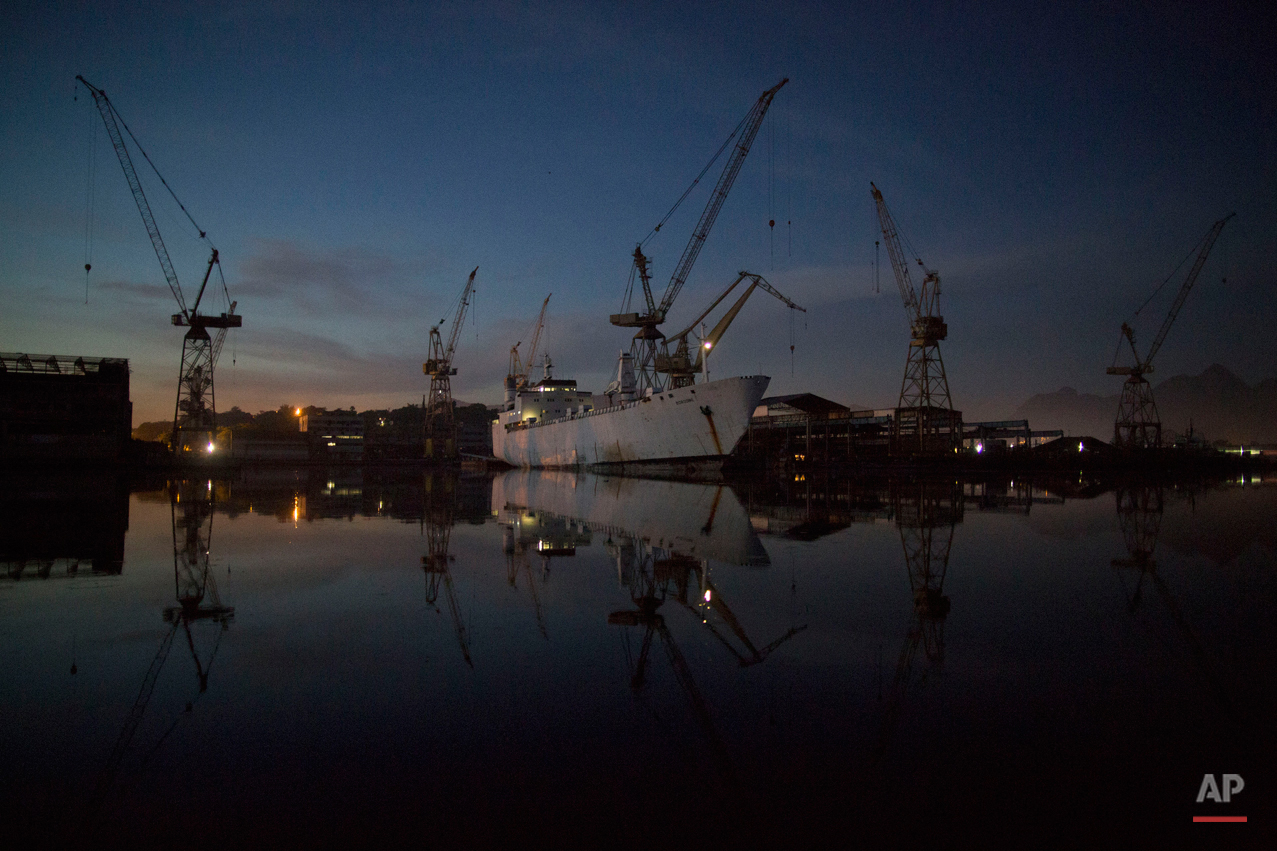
[325, 659]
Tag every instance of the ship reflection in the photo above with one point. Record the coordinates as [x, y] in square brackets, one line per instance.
[529, 535]
[664, 538]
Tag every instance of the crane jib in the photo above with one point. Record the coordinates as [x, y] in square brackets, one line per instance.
[750, 129]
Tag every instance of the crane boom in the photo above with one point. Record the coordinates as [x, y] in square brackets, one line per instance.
[536, 339]
[891, 235]
[749, 129]
[1208, 242]
[460, 318]
[643, 349]
[109, 117]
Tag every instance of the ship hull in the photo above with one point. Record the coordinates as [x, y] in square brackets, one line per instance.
[700, 422]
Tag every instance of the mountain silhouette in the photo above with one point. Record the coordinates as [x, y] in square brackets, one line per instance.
[1217, 404]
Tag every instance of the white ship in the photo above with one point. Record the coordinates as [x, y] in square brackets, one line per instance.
[554, 424]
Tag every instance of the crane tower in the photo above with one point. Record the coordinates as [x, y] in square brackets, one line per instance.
[648, 338]
[924, 422]
[195, 413]
[441, 423]
[1138, 424]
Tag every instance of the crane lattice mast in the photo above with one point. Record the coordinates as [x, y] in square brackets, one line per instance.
[1138, 424]
[924, 422]
[440, 421]
[643, 349]
[194, 414]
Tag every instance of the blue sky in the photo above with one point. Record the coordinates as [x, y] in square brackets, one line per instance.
[353, 162]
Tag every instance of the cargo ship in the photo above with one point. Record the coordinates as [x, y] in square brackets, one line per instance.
[554, 424]
[671, 420]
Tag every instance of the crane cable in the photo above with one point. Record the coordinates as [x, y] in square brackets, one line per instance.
[689, 189]
[1153, 295]
[771, 188]
[789, 182]
[1191, 252]
[227, 295]
[142, 151]
[90, 184]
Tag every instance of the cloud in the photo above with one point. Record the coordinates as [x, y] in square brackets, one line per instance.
[318, 281]
[144, 292]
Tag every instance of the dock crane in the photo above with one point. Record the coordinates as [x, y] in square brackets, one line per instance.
[679, 366]
[517, 378]
[924, 422]
[646, 341]
[441, 421]
[194, 414]
[1138, 424]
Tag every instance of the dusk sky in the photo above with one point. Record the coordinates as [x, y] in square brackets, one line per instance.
[353, 163]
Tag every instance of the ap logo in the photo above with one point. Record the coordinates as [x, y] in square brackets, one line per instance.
[1231, 785]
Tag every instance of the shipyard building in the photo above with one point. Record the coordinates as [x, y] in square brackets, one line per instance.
[57, 408]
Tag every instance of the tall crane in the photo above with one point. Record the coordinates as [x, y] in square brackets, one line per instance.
[1138, 424]
[679, 365]
[519, 368]
[925, 422]
[441, 423]
[194, 414]
[643, 349]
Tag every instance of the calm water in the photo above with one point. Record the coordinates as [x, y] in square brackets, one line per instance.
[317, 658]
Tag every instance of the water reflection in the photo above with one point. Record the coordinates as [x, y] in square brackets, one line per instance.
[592, 645]
[192, 504]
[1140, 506]
[62, 525]
[926, 514]
[439, 505]
[199, 615]
[1139, 515]
[662, 537]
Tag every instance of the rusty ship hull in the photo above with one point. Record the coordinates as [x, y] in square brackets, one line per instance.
[701, 422]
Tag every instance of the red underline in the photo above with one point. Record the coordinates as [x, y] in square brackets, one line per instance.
[1219, 818]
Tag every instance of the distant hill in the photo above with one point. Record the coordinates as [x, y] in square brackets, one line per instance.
[1219, 405]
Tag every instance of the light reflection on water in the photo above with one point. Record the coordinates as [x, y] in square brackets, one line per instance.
[319, 656]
